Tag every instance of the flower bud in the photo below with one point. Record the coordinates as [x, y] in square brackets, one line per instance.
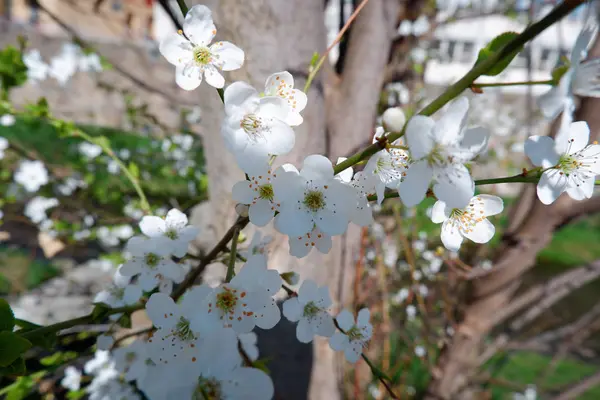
[242, 209]
[393, 119]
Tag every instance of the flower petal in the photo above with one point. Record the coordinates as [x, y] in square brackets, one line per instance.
[261, 212]
[198, 25]
[294, 222]
[491, 205]
[160, 308]
[540, 150]
[228, 56]
[188, 77]
[454, 186]
[317, 168]
[482, 232]
[551, 185]
[309, 291]
[583, 190]
[152, 226]
[415, 184]
[345, 319]
[304, 331]
[419, 134]
[292, 309]
[242, 192]
[449, 126]
[451, 237]
[438, 212]
[176, 49]
[213, 77]
[338, 341]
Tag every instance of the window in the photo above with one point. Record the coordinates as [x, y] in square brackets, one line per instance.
[468, 52]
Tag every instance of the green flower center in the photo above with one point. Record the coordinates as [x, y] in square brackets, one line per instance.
[354, 333]
[437, 157]
[314, 200]
[117, 292]
[202, 55]
[568, 164]
[251, 124]
[208, 389]
[266, 192]
[226, 301]
[183, 330]
[311, 309]
[172, 234]
[152, 260]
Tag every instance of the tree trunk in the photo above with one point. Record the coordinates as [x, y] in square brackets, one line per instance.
[532, 232]
[281, 35]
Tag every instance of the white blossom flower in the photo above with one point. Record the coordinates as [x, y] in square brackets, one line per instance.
[529, 394]
[180, 340]
[439, 150]
[258, 246]
[301, 245]
[281, 84]
[580, 79]
[248, 342]
[258, 193]
[420, 351]
[255, 126]
[3, 146]
[104, 342]
[245, 302]
[72, 379]
[64, 65]
[363, 185]
[36, 208]
[313, 197]
[193, 56]
[150, 258]
[393, 119]
[7, 120]
[132, 360]
[174, 229]
[310, 310]
[387, 167]
[37, 69]
[469, 222]
[32, 175]
[355, 336]
[120, 293]
[239, 383]
[411, 311]
[90, 150]
[570, 163]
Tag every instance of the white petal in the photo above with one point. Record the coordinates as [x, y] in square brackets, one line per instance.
[176, 49]
[338, 341]
[438, 212]
[352, 355]
[152, 226]
[492, 205]
[540, 150]
[579, 136]
[292, 309]
[413, 188]
[551, 103]
[326, 326]
[239, 94]
[298, 247]
[308, 292]
[585, 190]
[323, 243]
[449, 126]
[293, 222]
[317, 168]
[454, 186]
[261, 212]
[242, 192]
[277, 79]
[551, 185]
[198, 25]
[176, 219]
[345, 320]
[363, 317]
[132, 294]
[248, 384]
[451, 237]
[230, 57]
[331, 223]
[474, 141]
[269, 316]
[482, 232]
[160, 309]
[345, 175]
[281, 138]
[130, 268]
[188, 77]
[288, 186]
[213, 77]
[304, 331]
[419, 134]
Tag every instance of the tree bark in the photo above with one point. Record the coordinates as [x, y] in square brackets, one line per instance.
[279, 35]
[494, 290]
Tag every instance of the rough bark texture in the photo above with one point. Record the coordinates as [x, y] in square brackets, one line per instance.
[281, 35]
[493, 291]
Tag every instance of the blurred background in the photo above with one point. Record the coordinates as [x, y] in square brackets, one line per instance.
[516, 318]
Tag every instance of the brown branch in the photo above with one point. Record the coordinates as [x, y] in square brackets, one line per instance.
[579, 388]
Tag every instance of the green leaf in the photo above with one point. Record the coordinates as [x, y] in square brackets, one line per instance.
[262, 365]
[17, 367]
[559, 71]
[7, 318]
[125, 321]
[76, 395]
[495, 45]
[134, 169]
[58, 358]
[11, 347]
[100, 311]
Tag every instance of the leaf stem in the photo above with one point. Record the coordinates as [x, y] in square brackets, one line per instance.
[524, 83]
[183, 7]
[232, 255]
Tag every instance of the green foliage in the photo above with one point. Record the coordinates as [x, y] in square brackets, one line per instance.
[58, 358]
[76, 394]
[17, 367]
[100, 311]
[11, 347]
[13, 71]
[495, 45]
[559, 71]
[7, 318]
[21, 387]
